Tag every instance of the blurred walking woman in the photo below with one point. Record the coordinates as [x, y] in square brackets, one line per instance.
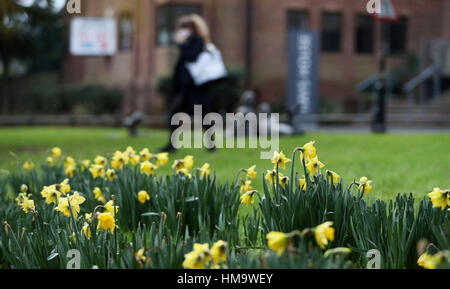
[192, 36]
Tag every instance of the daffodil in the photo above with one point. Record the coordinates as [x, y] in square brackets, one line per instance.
[28, 206]
[324, 233]
[109, 207]
[271, 176]
[100, 160]
[50, 161]
[51, 194]
[248, 198]
[333, 176]
[148, 168]
[246, 186]
[184, 171]
[69, 162]
[143, 197]
[218, 252]
[162, 159]
[313, 165]
[75, 201]
[365, 184]
[97, 171]
[87, 231]
[309, 151]
[145, 154]
[88, 217]
[204, 170]
[139, 255]
[284, 181]
[69, 171]
[28, 166]
[56, 152]
[64, 187]
[129, 151]
[85, 165]
[198, 258]
[251, 173]
[118, 160]
[337, 251]
[188, 162]
[111, 174]
[439, 198]
[106, 222]
[280, 159]
[135, 159]
[277, 241]
[302, 183]
[98, 194]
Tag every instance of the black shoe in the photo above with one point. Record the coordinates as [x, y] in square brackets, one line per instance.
[167, 149]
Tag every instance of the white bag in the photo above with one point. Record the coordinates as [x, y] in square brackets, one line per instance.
[208, 67]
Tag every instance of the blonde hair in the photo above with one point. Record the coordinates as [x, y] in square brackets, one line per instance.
[198, 26]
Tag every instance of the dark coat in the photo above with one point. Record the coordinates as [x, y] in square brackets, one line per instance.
[182, 81]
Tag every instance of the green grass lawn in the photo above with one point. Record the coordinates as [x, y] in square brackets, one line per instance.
[396, 163]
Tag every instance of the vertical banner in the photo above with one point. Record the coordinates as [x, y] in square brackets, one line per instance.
[303, 82]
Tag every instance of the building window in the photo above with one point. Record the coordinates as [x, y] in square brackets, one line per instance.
[125, 32]
[166, 20]
[298, 20]
[331, 32]
[396, 35]
[364, 34]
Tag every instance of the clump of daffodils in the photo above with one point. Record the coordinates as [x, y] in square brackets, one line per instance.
[202, 257]
[24, 200]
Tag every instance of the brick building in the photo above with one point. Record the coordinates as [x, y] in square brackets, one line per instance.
[252, 35]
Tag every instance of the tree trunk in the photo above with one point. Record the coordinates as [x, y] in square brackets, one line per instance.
[3, 86]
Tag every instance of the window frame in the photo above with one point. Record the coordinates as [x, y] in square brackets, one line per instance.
[340, 31]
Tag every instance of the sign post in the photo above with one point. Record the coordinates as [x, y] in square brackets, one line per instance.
[302, 85]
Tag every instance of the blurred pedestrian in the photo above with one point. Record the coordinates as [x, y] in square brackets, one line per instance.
[194, 69]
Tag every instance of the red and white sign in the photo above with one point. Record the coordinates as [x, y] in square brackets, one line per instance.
[387, 11]
[93, 36]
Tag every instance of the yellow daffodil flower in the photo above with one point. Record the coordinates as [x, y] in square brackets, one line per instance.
[324, 233]
[87, 231]
[109, 207]
[439, 198]
[309, 151]
[64, 187]
[118, 160]
[28, 206]
[75, 201]
[280, 159]
[111, 174]
[143, 197]
[271, 176]
[148, 168]
[51, 194]
[246, 186]
[162, 159]
[85, 165]
[188, 162]
[251, 173]
[97, 171]
[100, 160]
[88, 217]
[56, 152]
[248, 198]
[139, 255]
[366, 184]
[333, 176]
[218, 252]
[204, 170]
[28, 166]
[313, 165]
[106, 222]
[302, 183]
[284, 181]
[145, 154]
[277, 241]
[198, 258]
[135, 159]
[50, 161]
[98, 194]
[69, 162]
